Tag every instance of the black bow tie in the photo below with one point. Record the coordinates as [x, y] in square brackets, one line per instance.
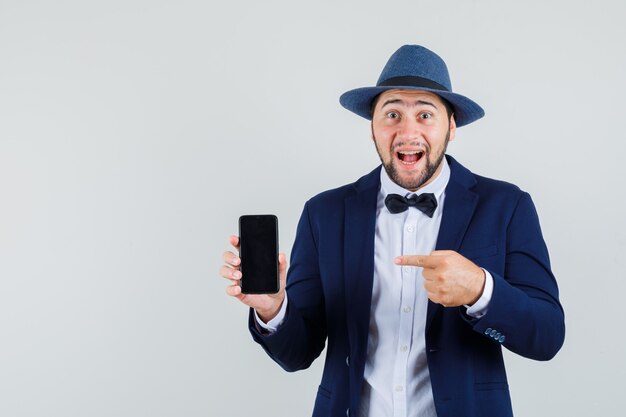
[426, 203]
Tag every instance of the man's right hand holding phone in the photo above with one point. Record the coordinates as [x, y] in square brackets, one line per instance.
[267, 306]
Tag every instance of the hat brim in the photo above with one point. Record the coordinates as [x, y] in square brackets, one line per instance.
[359, 101]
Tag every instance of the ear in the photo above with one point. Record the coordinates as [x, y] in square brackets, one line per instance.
[452, 127]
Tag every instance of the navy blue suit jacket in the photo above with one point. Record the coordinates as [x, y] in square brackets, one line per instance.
[329, 286]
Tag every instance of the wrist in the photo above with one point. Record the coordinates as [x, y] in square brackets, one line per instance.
[267, 314]
[480, 286]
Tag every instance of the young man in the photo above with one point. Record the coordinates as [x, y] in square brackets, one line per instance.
[417, 274]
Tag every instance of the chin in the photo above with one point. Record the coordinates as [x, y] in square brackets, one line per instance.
[409, 182]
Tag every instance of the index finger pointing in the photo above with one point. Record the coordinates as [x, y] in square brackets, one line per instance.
[424, 261]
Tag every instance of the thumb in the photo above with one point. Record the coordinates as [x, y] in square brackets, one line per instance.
[282, 268]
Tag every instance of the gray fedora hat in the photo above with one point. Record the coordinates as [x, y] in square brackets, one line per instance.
[413, 67]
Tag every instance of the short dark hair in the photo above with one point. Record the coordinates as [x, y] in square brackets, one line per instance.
[449, 107]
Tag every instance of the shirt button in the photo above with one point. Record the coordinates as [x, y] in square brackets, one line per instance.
[404, 348]
[406, 269]
[407, 309]
[410, 229]
[399, 388]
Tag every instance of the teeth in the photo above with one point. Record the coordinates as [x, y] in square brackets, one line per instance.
[410, 152]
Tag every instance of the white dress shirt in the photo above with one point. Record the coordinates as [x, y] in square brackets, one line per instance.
[396, 378]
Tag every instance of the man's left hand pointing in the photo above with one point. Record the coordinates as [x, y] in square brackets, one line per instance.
[450, 278]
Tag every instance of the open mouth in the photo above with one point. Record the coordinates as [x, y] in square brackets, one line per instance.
[409, 157]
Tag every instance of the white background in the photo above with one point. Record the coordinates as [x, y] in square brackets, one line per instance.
[134, 133]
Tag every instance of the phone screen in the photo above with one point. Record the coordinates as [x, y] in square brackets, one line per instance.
[258, 250]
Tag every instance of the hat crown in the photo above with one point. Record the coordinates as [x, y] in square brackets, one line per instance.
[413, 67]
[416, 61]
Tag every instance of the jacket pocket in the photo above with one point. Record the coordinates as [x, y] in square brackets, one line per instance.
[322, 402]
[323, 392]
[493, 399]
[490, 386]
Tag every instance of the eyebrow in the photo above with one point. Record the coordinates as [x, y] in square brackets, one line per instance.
[397, 100]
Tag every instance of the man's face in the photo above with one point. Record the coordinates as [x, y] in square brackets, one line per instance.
[411, 130]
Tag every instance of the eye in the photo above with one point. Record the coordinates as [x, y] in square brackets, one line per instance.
[425, 116]
[392, 115]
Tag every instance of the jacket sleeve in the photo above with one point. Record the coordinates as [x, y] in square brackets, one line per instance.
[524, 313]
[301, 336]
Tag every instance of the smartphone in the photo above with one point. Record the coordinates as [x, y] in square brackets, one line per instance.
[258, 250]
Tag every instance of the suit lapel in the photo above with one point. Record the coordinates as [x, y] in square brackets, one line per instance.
[359, 229]
[458, 210]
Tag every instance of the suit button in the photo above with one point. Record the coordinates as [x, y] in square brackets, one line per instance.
[502, 339]
[488, 331]
[493, 333]
[497, 336]
[348, 412]
[347, 360]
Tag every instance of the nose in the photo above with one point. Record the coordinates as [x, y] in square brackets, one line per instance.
[409, 130]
